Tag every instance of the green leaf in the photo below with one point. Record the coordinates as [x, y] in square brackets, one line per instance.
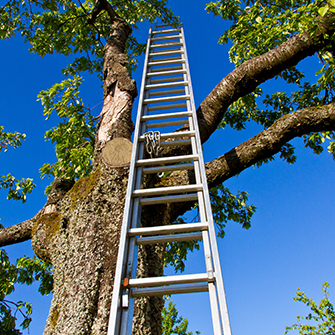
[172, 323]
[10, 139]
[17, 189]
[74, 136]
[323, 10]
[63, 27]
[25, 271]
[322, 315]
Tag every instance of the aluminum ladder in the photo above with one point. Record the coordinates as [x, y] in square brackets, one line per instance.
[166, 100]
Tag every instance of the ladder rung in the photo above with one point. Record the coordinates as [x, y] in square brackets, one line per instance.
[161, 38]
[169, 199]
[165, 45]
[169, 238]
[167, 68]
[188, 133]
[162, 25]
[174, 143]
[167, 190]
[168, 168]
[168, 280]
[175, 289]
[165, 116]
[165, 80]
[166, 124]
[167, 52]
[165, 73]
[166, 62]
[164, 160]
[166, 99]
[174, 228]
[162, 107]
[165, 59]
[156, 32]
[173, 84]
[181, 90]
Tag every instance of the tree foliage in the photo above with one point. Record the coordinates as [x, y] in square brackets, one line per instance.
[67, 28]
[172, 323]
[226, 207]
[74, 136]
[322, 315]
[10, 139]
[64, 27]
[25, 271]
[17, 189]
[260, 26]
[79, 31]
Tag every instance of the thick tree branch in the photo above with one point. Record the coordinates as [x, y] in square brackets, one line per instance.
[269, 141]
[119, 89]
[22, 231]
[15, 234]
[99, 7]
[252, 73]
[242, 81]
[263, 145]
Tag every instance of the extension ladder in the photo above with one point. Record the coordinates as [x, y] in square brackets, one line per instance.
[166, 75]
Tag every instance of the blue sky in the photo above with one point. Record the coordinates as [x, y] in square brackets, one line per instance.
[290, 243]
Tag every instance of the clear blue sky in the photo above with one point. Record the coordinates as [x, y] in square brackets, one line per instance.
[291, 241]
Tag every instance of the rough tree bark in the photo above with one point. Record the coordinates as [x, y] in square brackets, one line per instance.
[79, 232]
[78, 228]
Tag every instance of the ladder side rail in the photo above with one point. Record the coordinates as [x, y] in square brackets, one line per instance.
[127, 313]
[212, 234]
[127, 326]
[196, 149]
[114, 316]
[136, 218]
[217, 327]
[212, 289]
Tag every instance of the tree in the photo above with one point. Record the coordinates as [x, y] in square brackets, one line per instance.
[25, 271]
[323, 315]
[89, 195]
[172, 324]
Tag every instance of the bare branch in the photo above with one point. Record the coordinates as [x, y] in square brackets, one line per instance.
[15, 234]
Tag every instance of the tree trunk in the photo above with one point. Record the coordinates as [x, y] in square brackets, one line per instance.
[81, 240]
[78, 232]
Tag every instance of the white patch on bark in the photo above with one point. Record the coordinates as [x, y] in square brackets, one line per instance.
[50, 209]
[111, 111]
